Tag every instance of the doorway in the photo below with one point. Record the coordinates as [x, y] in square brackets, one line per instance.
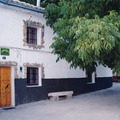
[5, 86]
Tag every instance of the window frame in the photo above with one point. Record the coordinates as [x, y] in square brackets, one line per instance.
[41, 72]
[40, 34]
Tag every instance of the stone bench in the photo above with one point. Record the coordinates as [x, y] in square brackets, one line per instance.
[54, 96]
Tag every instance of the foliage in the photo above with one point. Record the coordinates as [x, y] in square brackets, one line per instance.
[88, 32]
[44, 3]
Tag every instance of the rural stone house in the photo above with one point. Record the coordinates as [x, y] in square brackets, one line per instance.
[28, 70]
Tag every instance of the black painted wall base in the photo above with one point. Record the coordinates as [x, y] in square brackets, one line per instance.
[25, 94]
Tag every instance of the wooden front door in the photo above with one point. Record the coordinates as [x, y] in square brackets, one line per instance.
[5, 86]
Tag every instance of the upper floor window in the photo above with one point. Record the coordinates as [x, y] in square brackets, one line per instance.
[33, 34]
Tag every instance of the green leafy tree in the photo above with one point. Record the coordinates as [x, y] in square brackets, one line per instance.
[44, 3]
[88, 32]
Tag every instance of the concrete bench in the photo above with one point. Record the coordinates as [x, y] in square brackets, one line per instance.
[54, 96]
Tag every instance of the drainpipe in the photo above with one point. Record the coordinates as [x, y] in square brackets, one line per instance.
[38, 3]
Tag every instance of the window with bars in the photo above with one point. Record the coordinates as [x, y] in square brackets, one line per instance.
[32, 76]
[32, 35]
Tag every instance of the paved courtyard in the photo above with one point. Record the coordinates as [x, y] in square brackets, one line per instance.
[101, 105]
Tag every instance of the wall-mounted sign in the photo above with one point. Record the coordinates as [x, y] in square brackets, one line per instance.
[5, 51]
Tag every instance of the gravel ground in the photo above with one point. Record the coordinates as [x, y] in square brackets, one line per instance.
[101, 105]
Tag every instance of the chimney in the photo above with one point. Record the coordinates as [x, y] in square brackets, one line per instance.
[38, 3]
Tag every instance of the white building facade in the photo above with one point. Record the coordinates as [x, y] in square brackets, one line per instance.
[31, 67]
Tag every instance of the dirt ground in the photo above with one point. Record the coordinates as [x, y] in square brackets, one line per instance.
[101, 105]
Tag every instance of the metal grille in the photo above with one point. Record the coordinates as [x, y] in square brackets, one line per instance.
[32, 76]
[32, 35]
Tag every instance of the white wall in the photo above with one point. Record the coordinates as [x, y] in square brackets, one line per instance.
[12, 26]
[11, 36]
[103, 71]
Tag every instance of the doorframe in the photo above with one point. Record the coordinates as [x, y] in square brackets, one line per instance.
[13, 67]
[12, 87]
